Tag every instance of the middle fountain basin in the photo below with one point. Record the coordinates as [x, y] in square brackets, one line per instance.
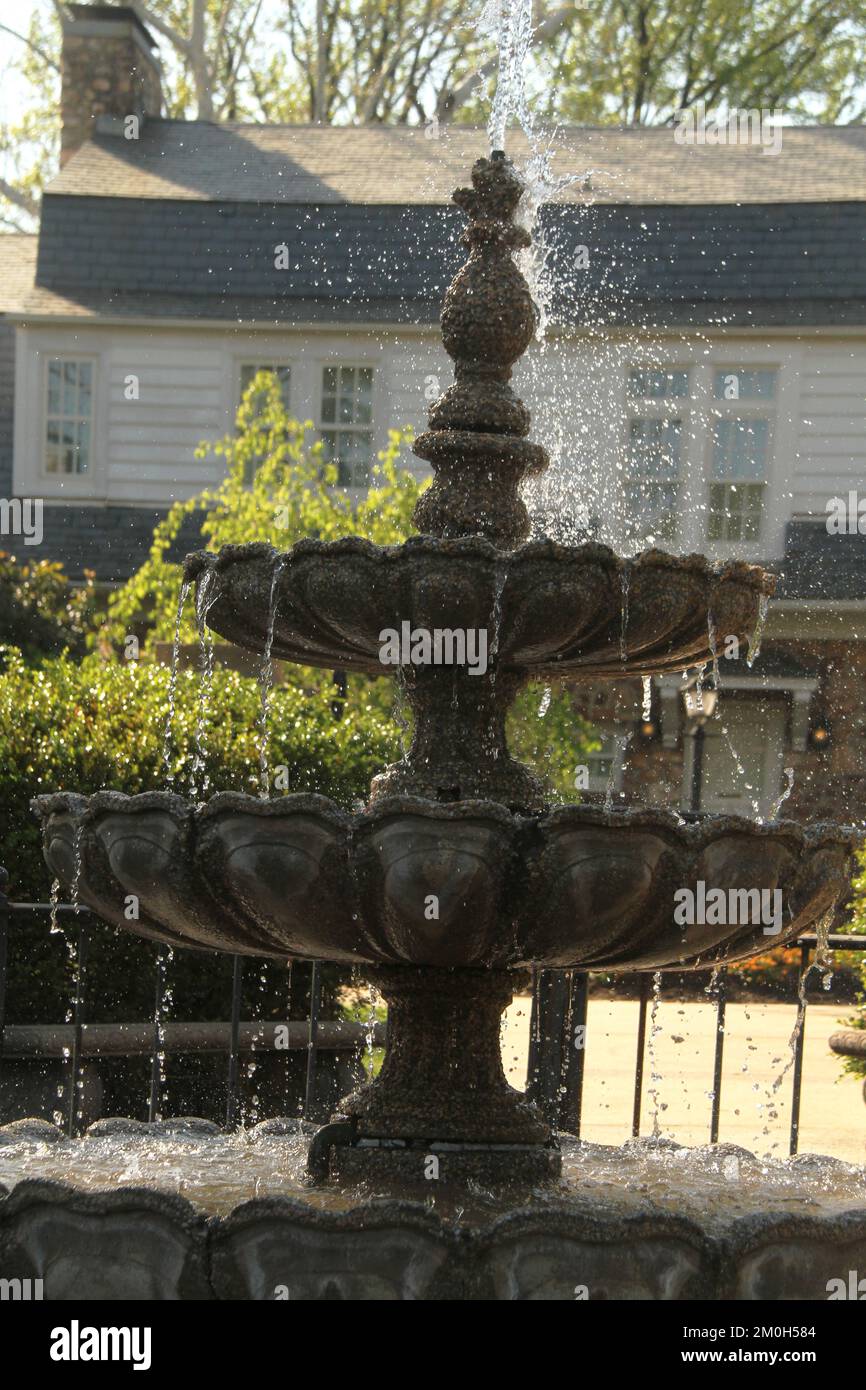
[467, 884]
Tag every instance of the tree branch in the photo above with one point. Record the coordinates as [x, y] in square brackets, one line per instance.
[25, 201]
[543, 32]
[34, 47]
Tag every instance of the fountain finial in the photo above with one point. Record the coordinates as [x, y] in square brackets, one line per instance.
[476, 441]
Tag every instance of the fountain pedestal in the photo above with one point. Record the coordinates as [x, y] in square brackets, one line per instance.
[442, 1093]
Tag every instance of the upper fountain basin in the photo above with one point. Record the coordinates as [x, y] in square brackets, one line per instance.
[415, 882]
[548, 609]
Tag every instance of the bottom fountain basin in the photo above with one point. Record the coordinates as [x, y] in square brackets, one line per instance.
[179, 1211]
[466, 884]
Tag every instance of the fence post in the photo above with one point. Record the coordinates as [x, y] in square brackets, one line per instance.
[794, 1141]
[78, 1022]
[645, 985]
[155, 1062]
[312, 1037]
[548, 1026]
[718, 1057]
[574, 1054]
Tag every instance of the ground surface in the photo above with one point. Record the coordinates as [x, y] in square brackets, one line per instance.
[832, 1112]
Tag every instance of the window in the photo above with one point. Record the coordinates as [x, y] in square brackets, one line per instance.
[650, 383]
[740, 450]
[654, 456]
[68, 416]
[249, 371]
[283, 373]
[346, 419]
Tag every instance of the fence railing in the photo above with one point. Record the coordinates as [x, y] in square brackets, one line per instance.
[558, 1034]
[557, 1031]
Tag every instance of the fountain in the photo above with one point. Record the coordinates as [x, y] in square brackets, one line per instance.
[458, 876]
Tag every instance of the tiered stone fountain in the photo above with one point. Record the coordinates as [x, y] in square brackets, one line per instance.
[457, 822]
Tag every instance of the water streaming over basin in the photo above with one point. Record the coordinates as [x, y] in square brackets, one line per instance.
[711, 1184]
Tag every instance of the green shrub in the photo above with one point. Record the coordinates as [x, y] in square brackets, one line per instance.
[83, 726]
[40, 612]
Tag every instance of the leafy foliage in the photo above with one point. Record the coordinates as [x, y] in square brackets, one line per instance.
[83, 726]
[858, 925]
[278, 488]
[39, 612]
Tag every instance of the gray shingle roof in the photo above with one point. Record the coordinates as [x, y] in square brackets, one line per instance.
[753, 264]
[817, 565]
[199, 161]
[17, 269]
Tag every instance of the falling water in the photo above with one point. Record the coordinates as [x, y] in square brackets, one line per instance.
[655, 1076]
[823, 963]
[79, 859]
[623, 627]
[545, 702]
[266, 677]
[53, 923]
[205, 598]
[399, 709]
[500, 574]
[647, 709]
[757, 635]
[741, 772]
[172, 685]
[712, 639]
[621, 742]
[784, 794]
[371, 1030]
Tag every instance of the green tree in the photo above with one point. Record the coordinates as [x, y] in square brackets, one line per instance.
[278, 488]
[637, 62]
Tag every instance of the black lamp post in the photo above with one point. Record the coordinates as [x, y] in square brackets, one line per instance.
[700, 706]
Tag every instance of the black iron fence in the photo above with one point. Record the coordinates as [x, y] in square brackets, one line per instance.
[557, 1039]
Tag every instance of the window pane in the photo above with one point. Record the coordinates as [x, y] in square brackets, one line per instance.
[83, 446]
[69, 408]
[652, 487]
[656, 383]
[283, 373]
[84, 384]
[70, 388]
[744, 384]
[740, 448]
[654, 448]
[329, 380]
[329, 445]
[329, 410]
[54, 379]
[735, 511]
[364, 405]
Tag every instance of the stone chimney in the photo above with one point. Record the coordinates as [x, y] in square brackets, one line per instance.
[109, 68]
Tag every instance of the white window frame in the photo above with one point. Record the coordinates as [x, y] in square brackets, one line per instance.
[68, 484]
[274, 362]
[660, 408]
[697, 412]
[357, 363]
[754, 408]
